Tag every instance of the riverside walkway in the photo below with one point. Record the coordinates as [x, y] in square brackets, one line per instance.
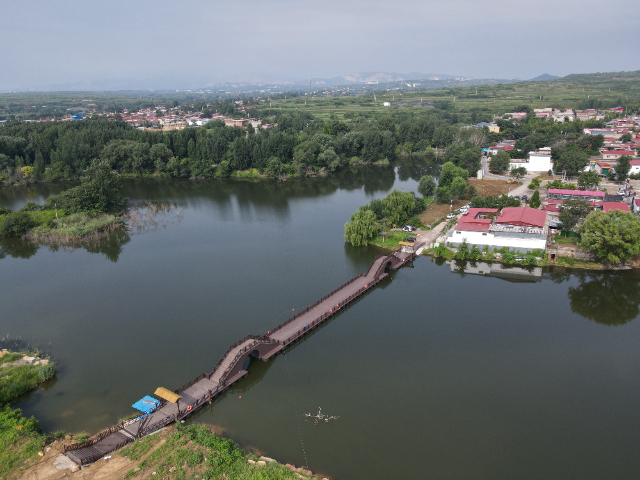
[233, 364]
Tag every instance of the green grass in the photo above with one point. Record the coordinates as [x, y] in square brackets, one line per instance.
[74, 227]
[193, 451]
[392, 239]
[20, 437]
[16, 380]
[20, 441]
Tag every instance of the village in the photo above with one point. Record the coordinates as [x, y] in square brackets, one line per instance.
[525, 229]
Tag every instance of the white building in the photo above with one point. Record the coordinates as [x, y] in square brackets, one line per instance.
[520, 229]
[539, 161]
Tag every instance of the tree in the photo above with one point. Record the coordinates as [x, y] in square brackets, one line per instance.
[588, 180]
[398, 206]
[623, 167]
[457, 188]
[626, 138]
[572, 211]
[518, 172]
[15, 224]
[614, 236]
[535, 200]
[499, 162]
[449, 172]
[535, 183]
[427, 186]
[362, 228]
[99, 191]
[572, 160]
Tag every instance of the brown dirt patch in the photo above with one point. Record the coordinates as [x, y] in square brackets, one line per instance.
[435, 212]
[490, 187]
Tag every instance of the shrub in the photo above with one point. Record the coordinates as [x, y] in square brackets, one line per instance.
[15, 224]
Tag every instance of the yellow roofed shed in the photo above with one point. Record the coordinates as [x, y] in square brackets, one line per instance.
[167, 395]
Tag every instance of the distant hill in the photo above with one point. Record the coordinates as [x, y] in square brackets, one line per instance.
[601, 77]
[544, 78]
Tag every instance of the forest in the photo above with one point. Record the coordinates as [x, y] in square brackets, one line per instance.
[299, 145]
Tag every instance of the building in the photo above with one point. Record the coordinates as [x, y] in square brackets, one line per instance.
[562, 194]
[635, 166]
[521, 229]
[499, 148]
[539, 161]
[616, 154]
[602, 168]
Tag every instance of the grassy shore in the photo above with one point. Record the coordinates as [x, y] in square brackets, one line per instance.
[74, 228]
[51, 227]
[20, 437]
[193, 451]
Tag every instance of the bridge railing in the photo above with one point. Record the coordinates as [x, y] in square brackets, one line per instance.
[236, 344]
[96, 438]
[374, 262]
[310, 307]
[331, 312]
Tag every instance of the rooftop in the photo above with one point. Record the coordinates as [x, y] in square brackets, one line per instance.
[524, 216]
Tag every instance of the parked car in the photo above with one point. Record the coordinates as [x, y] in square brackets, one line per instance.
[517, 197]
[555, 224]
[408, 228]
[411, 239]
[451, 215]
[524, 198]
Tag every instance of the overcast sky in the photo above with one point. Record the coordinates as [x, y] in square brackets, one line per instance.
[120, 44]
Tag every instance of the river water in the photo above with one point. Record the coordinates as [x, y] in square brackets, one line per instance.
[440, 372]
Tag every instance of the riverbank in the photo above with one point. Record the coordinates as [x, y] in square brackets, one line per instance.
[55, 228]
[20, 437]
[177, 451]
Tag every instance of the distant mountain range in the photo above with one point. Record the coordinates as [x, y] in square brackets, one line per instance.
[545, 77]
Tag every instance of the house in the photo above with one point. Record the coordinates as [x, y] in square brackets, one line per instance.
[521, 229]
[635, 166]
[608, 206]
[500, 148]
[562, 194]
[616, 154]
[602, 168]
[539, 161]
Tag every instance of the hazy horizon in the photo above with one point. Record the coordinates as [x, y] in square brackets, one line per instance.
[165, 45]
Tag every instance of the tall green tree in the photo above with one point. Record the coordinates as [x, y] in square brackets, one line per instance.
[572, 211]
[572, 160]
[398, 206]
[588, 180]
[623, 167]
[614, 236]
[99, 191]
[518, 172]
[362, 227]
[499, 162]
[535, 200]
[427, 186]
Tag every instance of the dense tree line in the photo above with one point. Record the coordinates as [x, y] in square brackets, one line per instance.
[300, 144]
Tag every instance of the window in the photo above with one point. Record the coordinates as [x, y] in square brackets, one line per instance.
[484, 234]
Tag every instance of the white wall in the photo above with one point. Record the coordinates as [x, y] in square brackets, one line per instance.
[521, 245]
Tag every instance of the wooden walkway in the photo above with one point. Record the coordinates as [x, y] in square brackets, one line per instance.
[234, 362]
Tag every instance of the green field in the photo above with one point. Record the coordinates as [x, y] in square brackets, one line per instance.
[574, 91]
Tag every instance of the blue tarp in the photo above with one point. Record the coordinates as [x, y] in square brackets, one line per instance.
[146, 405]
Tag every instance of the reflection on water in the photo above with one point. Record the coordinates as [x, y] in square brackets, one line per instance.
[606, 298]
[110, 245]
[511, 273]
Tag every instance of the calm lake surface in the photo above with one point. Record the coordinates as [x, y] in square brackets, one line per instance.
[436, 374]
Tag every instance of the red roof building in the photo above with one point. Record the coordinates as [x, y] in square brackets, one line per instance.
[608, 206]
[522, 216]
